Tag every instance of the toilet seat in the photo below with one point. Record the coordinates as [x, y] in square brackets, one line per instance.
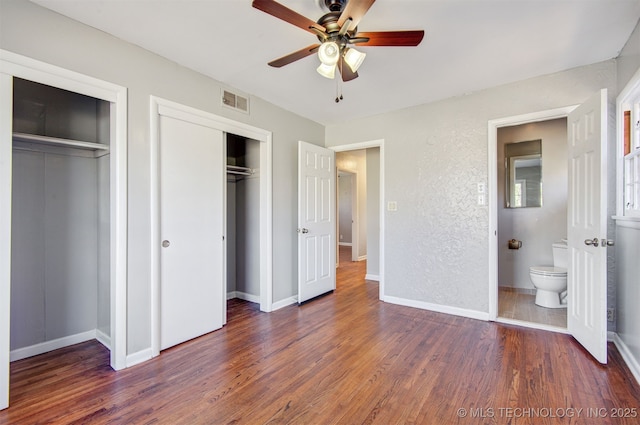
[548, 271]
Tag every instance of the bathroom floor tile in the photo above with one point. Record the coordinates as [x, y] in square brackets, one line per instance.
[517, 305]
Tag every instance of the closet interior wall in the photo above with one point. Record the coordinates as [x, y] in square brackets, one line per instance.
[60, 265]
[243, 218]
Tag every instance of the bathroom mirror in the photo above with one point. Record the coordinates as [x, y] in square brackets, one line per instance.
[523, 172]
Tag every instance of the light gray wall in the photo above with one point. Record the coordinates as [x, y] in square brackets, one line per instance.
[104, 247]
[58, 40]
[356, 162]
[345, 206]
[248, 225]
[628, 239]
[436, 243]
[537, 228]
[373, 212]
[54, 264]
[231, 235]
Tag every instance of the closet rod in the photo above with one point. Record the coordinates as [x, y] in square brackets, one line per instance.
[242, 171]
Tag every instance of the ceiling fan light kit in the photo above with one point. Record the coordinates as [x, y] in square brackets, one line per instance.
[336, 31]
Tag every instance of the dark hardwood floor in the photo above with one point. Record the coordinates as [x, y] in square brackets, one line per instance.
[344, 358]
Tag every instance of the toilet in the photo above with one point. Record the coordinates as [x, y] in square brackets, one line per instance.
[551, 281]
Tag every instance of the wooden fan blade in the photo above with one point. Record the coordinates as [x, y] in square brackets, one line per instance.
[346, 72]
[281, 12]
[355, 10]
[391, 38]
[292, 57]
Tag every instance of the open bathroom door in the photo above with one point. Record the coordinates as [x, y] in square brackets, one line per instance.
[316, 221]
[587, 225]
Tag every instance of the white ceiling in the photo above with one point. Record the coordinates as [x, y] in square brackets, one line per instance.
[469, 45]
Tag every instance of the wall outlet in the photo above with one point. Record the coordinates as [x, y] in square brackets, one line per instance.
[611, 314]
[481, 199]
[341, 237]
[392, 206]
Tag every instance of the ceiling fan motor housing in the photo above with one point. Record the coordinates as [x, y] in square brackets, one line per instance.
[335, 5]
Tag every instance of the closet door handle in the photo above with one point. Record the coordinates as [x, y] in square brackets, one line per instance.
[303, 230]
[165, 243]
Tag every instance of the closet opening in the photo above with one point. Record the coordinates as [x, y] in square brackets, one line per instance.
[60, 219]
[243, 218]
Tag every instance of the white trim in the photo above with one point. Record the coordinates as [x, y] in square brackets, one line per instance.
[492, 185]
[362, 258]
[243, 296]
[284, 303]
[6, 108]
[366, 145]
[373, 277]
[627, 355]
[630, 91]
[532, 325]
[11, 65]
[158, 107]
[139, 357]
[103, 339]
[54, 344]
[438, 308]
[345, 244]
[626, 221]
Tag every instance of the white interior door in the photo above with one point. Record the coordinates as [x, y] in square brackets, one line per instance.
[191, 230]
[316, 221]
[587, 225]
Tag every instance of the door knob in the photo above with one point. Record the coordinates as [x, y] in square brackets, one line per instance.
[593, 242]
[607, 242]
[303, 230]
[165, 243]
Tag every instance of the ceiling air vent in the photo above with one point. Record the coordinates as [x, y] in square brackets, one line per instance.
[234, 101]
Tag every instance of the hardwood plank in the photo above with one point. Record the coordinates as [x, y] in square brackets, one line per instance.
[345, 358]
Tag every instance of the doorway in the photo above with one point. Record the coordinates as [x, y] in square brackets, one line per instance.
[348, 223]
[500, 226]
[164, 108]
[40, 149]
[531, 203]
[369, 233]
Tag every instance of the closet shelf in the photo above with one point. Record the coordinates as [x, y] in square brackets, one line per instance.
[240, 171]
[55, 141]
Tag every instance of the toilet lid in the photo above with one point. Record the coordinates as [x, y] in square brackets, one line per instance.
[548, 271]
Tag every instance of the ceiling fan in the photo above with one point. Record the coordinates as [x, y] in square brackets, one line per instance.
[337, 31]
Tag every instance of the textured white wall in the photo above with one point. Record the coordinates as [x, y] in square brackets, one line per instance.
[536, 227]
[60, 41]
[436, 243]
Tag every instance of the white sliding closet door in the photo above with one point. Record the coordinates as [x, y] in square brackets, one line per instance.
[191, 230]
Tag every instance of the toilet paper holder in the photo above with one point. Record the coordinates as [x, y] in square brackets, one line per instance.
[515, 244]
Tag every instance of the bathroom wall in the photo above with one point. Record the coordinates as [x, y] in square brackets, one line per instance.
[536, 227]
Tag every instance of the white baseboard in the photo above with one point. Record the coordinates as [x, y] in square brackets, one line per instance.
[54, 344]
[345, 244]
[103, 338]
[627, 356]
[243, 296]
[362, 258]
[456, 311]
[284, 303]
[372, 277]
[139, 357]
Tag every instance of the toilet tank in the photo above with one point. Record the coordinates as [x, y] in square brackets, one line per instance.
[560, 254]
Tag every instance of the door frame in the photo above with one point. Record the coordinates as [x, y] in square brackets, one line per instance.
[379, 143]
[159, 106]
[14, 65]
[492, 185]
